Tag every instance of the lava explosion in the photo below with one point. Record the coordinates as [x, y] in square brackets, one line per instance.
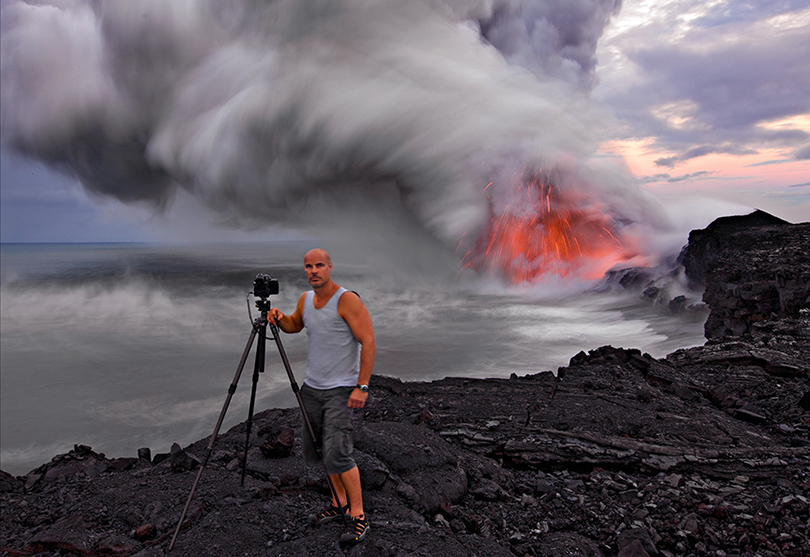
[541, 229]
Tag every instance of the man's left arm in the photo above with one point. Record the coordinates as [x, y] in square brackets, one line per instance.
[352, 309]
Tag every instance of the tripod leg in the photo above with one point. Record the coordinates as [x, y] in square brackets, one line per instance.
[231, 391]
[304, 415]
[257, 368]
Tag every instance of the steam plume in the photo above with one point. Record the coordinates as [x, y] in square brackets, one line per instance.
[255, 107]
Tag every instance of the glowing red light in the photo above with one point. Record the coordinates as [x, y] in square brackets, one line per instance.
[543, 230]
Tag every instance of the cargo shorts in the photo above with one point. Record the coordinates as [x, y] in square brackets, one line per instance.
[331, 420]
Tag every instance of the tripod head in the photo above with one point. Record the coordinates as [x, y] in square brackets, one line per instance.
[263, 305]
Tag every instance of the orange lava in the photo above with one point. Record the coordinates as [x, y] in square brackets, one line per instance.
[543, 230]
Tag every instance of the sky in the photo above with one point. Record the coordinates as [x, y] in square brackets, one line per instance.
[714, 99]
[706, 104]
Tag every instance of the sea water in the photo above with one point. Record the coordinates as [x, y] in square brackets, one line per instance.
[122, 346]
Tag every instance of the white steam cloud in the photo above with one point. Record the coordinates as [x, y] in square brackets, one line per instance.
[257, 107]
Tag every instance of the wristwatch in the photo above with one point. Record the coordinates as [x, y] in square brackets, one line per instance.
[363, 388]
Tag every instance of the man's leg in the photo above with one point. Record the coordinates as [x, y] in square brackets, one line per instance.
[313, 406]
[349, 482]
[337, 448]
[358, 528]
[340, 490]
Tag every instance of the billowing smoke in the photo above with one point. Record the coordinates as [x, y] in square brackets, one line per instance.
[554, 38]
[257, 108]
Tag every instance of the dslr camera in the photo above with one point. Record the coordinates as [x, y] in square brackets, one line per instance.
[264, 286]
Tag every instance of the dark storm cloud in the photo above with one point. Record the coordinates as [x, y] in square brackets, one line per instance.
[552, 38]
[712, 90]
[255, 108]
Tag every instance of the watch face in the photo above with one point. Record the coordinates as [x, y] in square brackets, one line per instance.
[363, 388]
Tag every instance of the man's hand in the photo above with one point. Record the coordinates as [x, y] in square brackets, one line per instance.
[275, 315]
[357, 399]
[290, 322]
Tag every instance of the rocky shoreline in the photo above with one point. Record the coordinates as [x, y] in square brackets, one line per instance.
[703, 452]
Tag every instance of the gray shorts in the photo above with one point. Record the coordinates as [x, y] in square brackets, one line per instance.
[331, 420]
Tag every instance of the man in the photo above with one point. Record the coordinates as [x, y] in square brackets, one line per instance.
[341, 359]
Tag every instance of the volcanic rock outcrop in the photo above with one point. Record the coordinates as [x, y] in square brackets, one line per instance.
[703, 452]
[771, 281]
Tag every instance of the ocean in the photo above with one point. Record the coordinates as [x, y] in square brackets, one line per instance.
[123, 346]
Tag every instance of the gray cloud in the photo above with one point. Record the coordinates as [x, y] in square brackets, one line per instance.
[744, 11]
[256, 108]
[768, 163]
[669, 162]
[703, 150]
[690, 176]
[665, 177]
[803, 153]
[555, 38]
[711, 91]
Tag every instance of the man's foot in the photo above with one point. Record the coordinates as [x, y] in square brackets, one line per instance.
[358, 528]
[329, 514]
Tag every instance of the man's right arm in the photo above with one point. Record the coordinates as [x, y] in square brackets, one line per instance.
[293, 323]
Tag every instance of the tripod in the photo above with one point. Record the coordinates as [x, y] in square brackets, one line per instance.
[260, 325]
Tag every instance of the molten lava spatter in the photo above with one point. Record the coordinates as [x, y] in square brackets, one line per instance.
[537, 229]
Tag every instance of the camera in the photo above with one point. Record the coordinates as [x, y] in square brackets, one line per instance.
[264, 286]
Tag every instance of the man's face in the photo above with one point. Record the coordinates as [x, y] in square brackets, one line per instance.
[318, 268]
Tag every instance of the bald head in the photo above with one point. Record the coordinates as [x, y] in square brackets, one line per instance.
[319, 254]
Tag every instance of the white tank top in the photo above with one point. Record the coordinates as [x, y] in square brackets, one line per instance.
[334, 353]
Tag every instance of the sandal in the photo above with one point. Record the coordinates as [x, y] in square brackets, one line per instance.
[358, 528]
[331, 513]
